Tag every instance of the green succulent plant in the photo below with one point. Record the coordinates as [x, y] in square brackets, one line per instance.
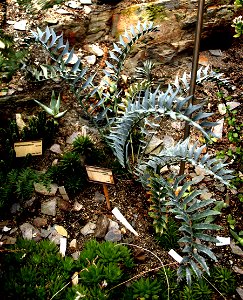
[146, 289]
[224, 280]
[54, 108]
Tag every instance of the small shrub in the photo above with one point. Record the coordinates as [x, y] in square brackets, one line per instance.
[18, 185]
[69, 172]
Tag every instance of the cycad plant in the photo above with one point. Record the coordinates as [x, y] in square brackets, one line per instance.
[144, 112]
[147, 112]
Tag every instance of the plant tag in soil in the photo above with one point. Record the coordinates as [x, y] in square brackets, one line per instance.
[63, 193]
[123, 220]
[101, 175]
[63, 246]
[175, 255]
[24, 148]
[223, 241]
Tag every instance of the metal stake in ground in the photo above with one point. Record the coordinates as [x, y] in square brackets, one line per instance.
[194, 67]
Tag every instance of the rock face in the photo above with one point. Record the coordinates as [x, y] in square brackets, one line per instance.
[176, 20]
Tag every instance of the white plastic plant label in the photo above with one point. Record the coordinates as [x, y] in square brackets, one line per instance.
[175, 255]
[63, 246]
[223, 241]
[123, 220]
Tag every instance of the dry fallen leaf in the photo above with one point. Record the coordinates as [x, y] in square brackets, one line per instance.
[61, 230]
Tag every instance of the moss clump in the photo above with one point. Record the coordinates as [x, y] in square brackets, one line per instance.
[156, 12]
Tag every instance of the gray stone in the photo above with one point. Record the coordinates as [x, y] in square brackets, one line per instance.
[27, 231]
[72, 137]
[15, 208]
[98, 197]
[45, 233]
[238, 270]
[218, 129]
[168, 141]
[77, 206]
[46, 191]
[154, 146]
[73, 4]
[8, 240]
[29, 203]
[51, 21]
[220, 187]
[87, 9]
[56, 148]
[198, 179]
[216, 52]
[113, 235]
[63, 193]
[63, 205]
[95, 49]
[63, 12]
[236, 249]
[113, 225]
[90, 59]
[55, 237]
[86, 2]
[88, 228]
[73, 244]
[40, 222]
[76, 255]
[206, 195]
[101, 226]
[200, 171]
[240, 292]
[49, 207]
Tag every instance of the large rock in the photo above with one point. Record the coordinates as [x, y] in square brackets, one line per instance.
[177, 22]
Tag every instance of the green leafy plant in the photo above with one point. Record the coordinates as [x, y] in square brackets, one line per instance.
[54, 109]
[237, 237]
[18, 185]
[224, 280]
[10, 59]
[238, 25]
[238, 3]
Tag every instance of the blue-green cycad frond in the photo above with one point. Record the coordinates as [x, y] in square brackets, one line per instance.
[203, 74]
[182, 151]
[60, 54]
[157, 104]
[126, 41]
[191, 213]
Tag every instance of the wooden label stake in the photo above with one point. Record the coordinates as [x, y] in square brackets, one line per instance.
[107, 196]
[101, 175]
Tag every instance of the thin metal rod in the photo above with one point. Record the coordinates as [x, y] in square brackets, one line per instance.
[194, 68]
